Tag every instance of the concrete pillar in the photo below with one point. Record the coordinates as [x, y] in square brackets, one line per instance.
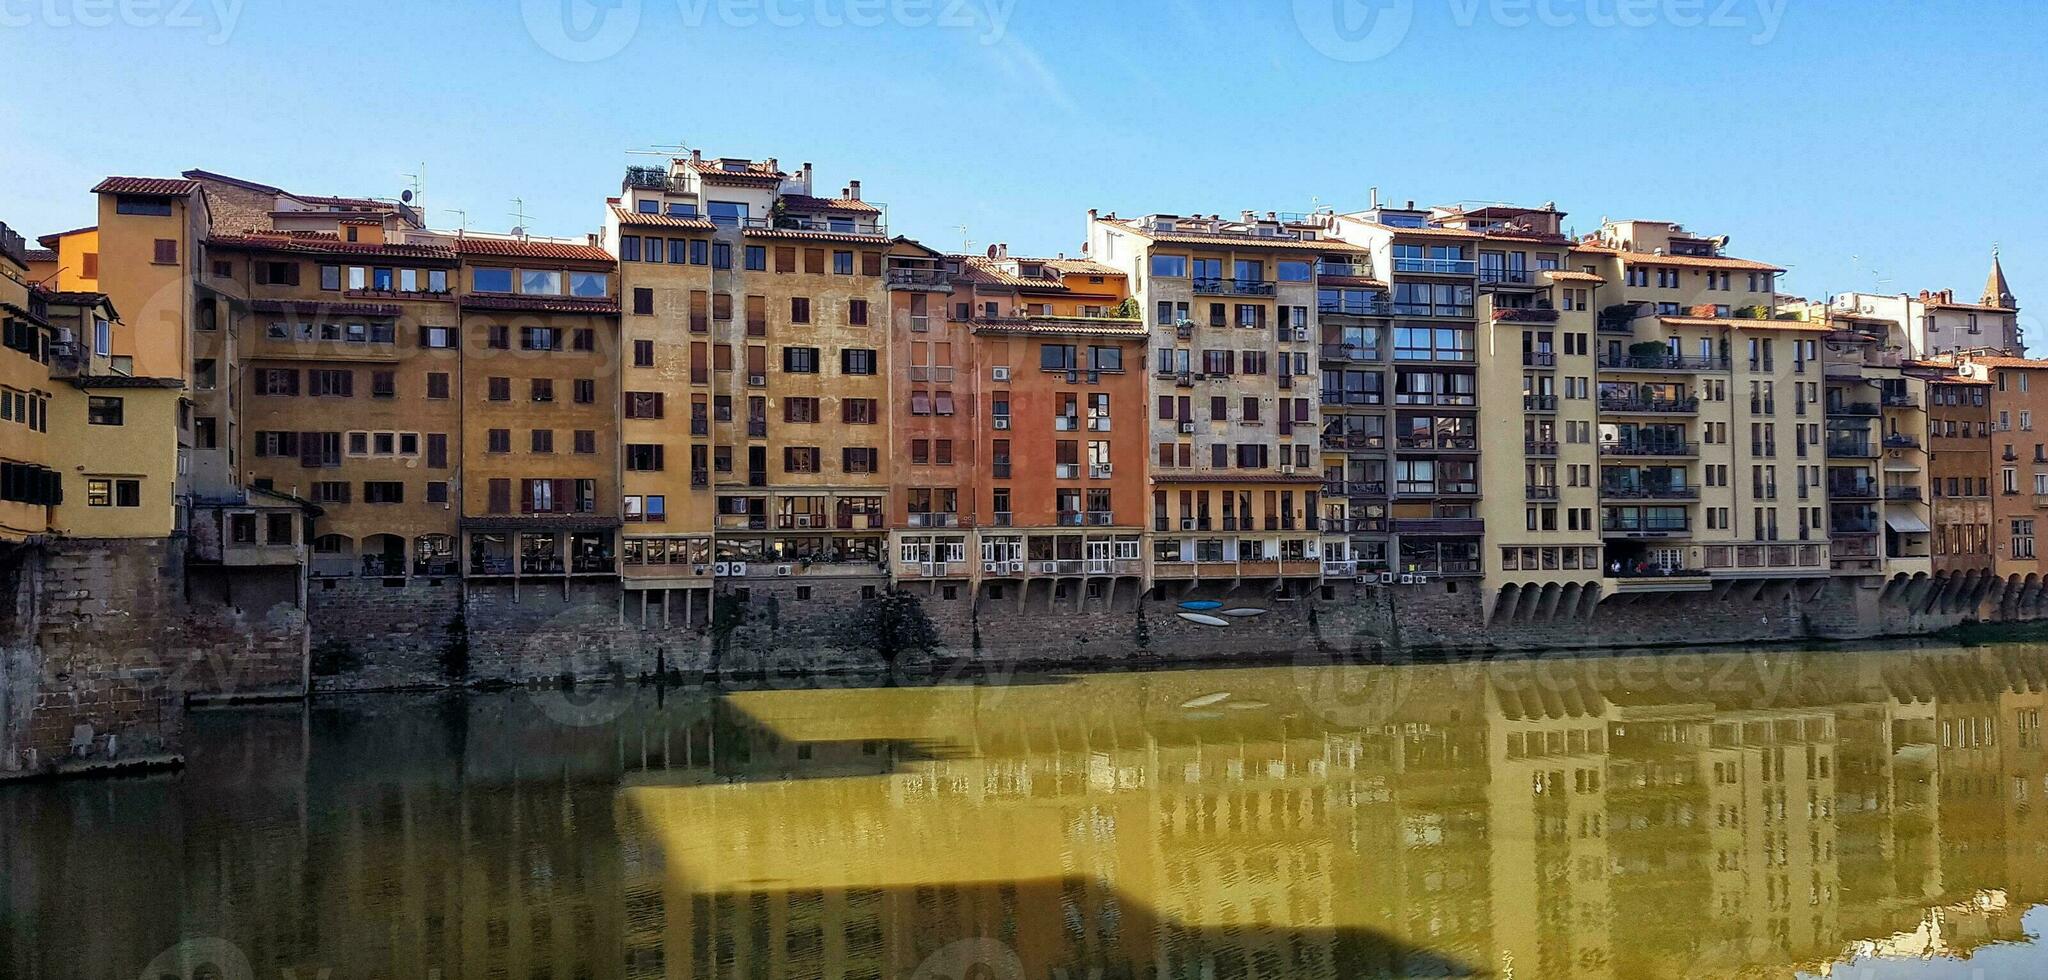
[1547, 601]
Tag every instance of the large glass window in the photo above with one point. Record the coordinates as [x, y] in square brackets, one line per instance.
[1172, 266]
[540, 282]
[491, 280]
[589, 284]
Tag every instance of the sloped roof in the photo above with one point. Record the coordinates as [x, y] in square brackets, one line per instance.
[146, 186]
[530, 248]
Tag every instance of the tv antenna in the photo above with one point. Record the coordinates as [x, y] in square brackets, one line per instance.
[966, 243]
[659, 150]
[416, 196]
[464, 225]
[519, 216]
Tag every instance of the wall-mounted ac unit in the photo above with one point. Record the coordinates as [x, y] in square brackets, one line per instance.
[999, 373]
[739, 569]
[721, 569]
[1386, 578]
[1002, 423]
[1187, 427]
[783, 570]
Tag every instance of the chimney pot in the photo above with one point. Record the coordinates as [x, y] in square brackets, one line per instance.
[853, 189]
[772, 165]
[696, 156]
[1092, 215]
[1411, 204]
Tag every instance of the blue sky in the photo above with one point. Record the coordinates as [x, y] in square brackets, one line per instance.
[1875, 144]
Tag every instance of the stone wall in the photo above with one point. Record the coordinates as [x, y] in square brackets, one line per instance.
[103, 648]
[371, 636]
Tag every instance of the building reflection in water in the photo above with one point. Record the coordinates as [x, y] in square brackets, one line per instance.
[1721, 815]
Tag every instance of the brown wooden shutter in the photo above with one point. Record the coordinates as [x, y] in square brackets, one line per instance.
[698, 374]
[700, 302]
[437, 450]
[501, 496]
[565, 496]
[721, 306]
[871, 263]
[785, 258]
[309, 450]
[721, 357]
[814, 261]
[757, 316]
[526, 496]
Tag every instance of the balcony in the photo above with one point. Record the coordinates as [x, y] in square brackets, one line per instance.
[1370, 306]
[1232, 287]
[1662, 363]
[1622, 491]
[1539, 403]
[1860, 410]
[1353, 442]
[1845, 527]
[1655, 448]
[824, 226]
[1651, 406]
[1347, 352]
[1524, 314]
[1901, 441]
[1436, 267]
[1440, 526]
[1539, 447]
[1507, 277]
[1357, 489]
[1339, 568]
[907, 278]
[934, 519]
[1543, 491]
[1100, 518]
[1890, 400]
[1628, 525]
[1908, 494]
[1851, 448]
[1354, 269]
[1539, 358]
[1438, 443]
[1853, 489]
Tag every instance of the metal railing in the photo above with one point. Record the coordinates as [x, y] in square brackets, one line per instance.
[1655, 448]
[1233, 287]
[1439, 267]
[1661, 362]
[1675, 406]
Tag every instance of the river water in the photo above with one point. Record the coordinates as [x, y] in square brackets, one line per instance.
[1874, 813]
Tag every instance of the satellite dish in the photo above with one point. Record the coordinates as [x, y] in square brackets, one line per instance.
[405, 196]
[991, 251]
[518, 230]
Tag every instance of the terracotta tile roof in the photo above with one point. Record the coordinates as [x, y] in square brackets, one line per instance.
[644, 220]
[317, 244]
[1426, 232]
[2006, 362]
[73, 297]
[1170, 476]
[1955, 379]
[25, 314]
[991, 271]
[314, 307]
[50, 240]
[588, 305]
[1565, 275]
[812, 235]
[1248, 241]
[803, 202]
[1084, 267]
[147, 186]
[1058, 326]
[1739, 323]
[530, 249]
[756, 174]
[40, 255]
[1973, 307]
[1697, 261]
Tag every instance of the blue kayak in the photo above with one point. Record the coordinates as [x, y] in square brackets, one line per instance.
[1201, 604]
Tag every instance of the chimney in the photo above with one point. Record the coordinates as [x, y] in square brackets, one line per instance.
[853, 189]
[772, 166]
[1411, 204]
[1250, 216]
[696, 156]
[1374, 198]
[807, 177]
[1092, 215]
[1002, 250]
[1272, 216]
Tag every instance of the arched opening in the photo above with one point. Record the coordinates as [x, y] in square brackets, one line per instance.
[334, 555]
[434, 555]
[383, 556]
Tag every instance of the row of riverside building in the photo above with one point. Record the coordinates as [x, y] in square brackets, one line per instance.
[741, 378]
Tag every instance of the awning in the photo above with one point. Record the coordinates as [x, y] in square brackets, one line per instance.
[1904, 521]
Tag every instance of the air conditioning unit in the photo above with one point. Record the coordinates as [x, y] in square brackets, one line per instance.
[992, 567]
[739, 569]
[1407, 579]
[999, 373]
[1386, 578]
[1286, 469]
[1003, 423]
[1187, 523]
[700, 569]
[757, 379]
[1048, 567]
[1187, 427]
[782, 571]
[1017, 565]
[1300, 333]
[722, 569]
[1364, 580]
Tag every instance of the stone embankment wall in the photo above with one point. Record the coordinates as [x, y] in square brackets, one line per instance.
[103, 647]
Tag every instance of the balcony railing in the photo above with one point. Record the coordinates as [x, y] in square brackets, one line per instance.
[1661, 362]
[1506, 277]
[1644, 406]
[1900, 401]
[1853, 409]
[1539, 447]
[1853, 489]
[1901, 441]
[1525, 314]
[1373, 306]
[1902, 493]
[1852, 526]
[1436, 267]
[1347, 352]
[1542, 491]
[1447, 526]
[929, 278]
[835, 226]
[934, 519]
[1539, 358]
[1625, 525]
[1616, 491]
[1539, 403]
[1233, 287]
[1448, 443]
[1657, 448]
[1851, 448]
[1355, 269]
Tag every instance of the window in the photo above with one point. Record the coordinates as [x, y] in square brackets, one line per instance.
[857, 312]
[799, 309]
[485, 280]
[644, 457]
[842, 262]
[383, 492]
[757, 258]
[339, 383]
[585, 391]
[543, 441]
[437, 338]
[643, 353]
[499, 441]
[383, 384]
[542, 390]
[102, 410]
[800, 360]
[540, 282]
[856, 361]
[1170, 266]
